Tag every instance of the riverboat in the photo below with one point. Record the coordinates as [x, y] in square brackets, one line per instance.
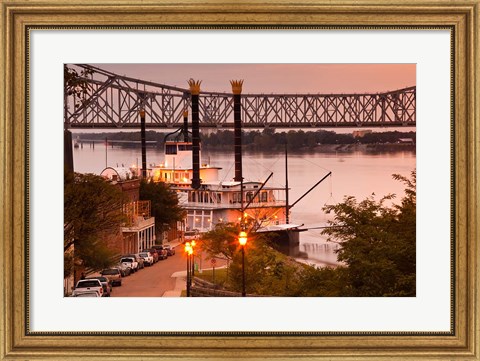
[215, 201]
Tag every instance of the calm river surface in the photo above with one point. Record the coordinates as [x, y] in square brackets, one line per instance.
[353, 174]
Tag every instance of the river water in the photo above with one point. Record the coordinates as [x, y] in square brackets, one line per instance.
[356, 174]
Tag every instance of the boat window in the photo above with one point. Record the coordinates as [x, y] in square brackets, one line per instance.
[263, 196]
[184, 147]
[249, 196]
[171, 149]
[219, 197]
[236, 197]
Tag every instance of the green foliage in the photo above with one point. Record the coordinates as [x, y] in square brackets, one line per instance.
[220, 276]
[377, 243]
[92, 213]
[267, 272]
[164, 204]
[322, 282]
[76, 84]
[377, 247]
[223, 240]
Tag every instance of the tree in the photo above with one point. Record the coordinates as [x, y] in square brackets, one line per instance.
[377, 243]
[164, 204]
[76, 85]
[92, 214]
[222, 240]
[267, 271]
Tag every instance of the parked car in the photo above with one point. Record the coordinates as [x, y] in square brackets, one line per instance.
[130, 262]
[87, 294]
[88, 285]
[147, 258]
[140, 261]
[170, 250]
[114, 274]
[191, 235]
[124, 269]
[162, 253]
[154, 254]
[106, 284]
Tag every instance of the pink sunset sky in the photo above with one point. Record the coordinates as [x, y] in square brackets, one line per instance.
[277, 78]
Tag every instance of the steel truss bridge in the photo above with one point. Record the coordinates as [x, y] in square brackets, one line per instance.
[114, 101]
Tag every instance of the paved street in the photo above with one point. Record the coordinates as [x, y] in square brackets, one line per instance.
[155, 280]
[152, 281]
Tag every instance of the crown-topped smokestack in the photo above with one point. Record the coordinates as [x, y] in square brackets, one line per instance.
[185, 125]
[195, 92]
[144, 142]
[237, 123]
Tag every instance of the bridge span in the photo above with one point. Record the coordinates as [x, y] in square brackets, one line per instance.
[115, 101]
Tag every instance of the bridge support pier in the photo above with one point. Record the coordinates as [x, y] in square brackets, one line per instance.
[67, 151]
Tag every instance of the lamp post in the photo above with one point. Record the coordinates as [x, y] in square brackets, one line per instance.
[192, 244]
[189, 252]
[242, 239]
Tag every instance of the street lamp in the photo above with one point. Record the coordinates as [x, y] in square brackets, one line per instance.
[242, 239]
[189, 252]
[193, 244]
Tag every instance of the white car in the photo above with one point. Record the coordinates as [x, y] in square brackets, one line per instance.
[87, 294]
[147, 257]
[88, 286]
[130, 262]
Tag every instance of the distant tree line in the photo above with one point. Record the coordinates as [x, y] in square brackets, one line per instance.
[267, 139]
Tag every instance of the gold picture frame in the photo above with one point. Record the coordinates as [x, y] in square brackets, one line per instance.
[17, 342]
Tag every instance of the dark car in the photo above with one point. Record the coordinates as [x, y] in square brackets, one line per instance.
[124, 270]
[162, 253]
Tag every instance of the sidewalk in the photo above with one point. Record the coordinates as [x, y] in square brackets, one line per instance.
[180, 284]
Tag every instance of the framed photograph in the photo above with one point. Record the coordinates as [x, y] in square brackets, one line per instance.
[428, 50]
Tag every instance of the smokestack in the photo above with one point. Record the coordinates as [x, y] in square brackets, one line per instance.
[144, 143]
[195, 92]
[237, 123]
[185, 126]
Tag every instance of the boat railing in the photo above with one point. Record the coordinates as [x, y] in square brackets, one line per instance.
[237, 205]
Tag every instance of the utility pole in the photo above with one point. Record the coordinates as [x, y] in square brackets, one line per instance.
[287, 207]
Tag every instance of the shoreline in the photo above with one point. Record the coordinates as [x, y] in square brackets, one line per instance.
[326, 148]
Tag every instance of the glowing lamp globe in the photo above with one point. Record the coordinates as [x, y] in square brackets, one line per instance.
[242, 238]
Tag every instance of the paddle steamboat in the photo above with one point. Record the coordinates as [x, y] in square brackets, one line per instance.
[214, 201]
